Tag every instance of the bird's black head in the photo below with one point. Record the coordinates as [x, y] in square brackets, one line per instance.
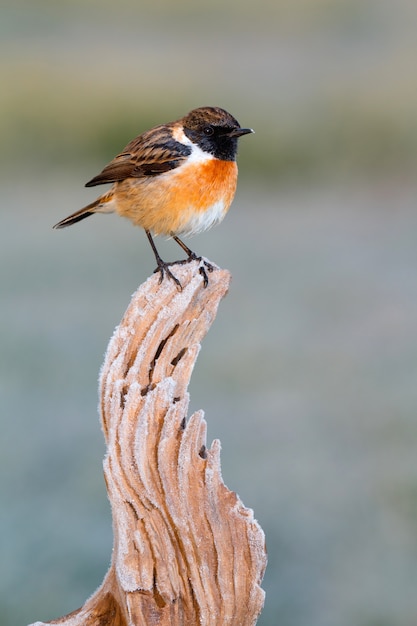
[215, 131]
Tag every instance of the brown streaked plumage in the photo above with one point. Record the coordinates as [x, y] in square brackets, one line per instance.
[175, 179]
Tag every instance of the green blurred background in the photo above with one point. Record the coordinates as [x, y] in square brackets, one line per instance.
[308, 376]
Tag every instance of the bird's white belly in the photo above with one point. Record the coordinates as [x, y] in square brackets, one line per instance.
[199, 221]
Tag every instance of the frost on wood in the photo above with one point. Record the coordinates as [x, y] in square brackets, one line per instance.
[186, 550]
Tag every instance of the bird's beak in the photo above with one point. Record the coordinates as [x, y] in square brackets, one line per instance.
[238, 132]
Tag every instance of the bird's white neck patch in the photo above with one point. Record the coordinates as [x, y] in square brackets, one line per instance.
[197, 155]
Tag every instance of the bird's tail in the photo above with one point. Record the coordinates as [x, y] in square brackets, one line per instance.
[103, 204]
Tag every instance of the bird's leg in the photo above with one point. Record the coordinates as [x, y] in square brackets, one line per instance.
[191, 256]
[162, 266]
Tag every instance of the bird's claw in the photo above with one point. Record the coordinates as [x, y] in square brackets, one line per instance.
[163, 268]
[205, 266]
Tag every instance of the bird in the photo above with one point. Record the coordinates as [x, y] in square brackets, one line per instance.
[176, 179]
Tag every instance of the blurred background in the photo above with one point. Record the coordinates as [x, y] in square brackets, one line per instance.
[308, 376]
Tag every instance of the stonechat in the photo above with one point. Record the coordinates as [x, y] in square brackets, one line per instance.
[174, 179]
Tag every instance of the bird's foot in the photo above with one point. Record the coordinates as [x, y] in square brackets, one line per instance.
[163, 269]
[205, 266]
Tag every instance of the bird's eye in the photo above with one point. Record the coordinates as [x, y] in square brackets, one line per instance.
[208, 131]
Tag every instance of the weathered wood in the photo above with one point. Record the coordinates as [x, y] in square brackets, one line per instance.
[186, 550]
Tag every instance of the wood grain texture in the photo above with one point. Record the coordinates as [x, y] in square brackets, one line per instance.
[186, 550]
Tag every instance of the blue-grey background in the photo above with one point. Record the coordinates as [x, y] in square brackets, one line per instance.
[309, 374]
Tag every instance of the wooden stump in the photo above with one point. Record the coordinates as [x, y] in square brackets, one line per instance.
[186, 550]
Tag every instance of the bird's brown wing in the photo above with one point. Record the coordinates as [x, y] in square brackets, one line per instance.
[150, 154]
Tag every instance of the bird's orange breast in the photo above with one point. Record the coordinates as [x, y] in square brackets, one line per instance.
[177, 201]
